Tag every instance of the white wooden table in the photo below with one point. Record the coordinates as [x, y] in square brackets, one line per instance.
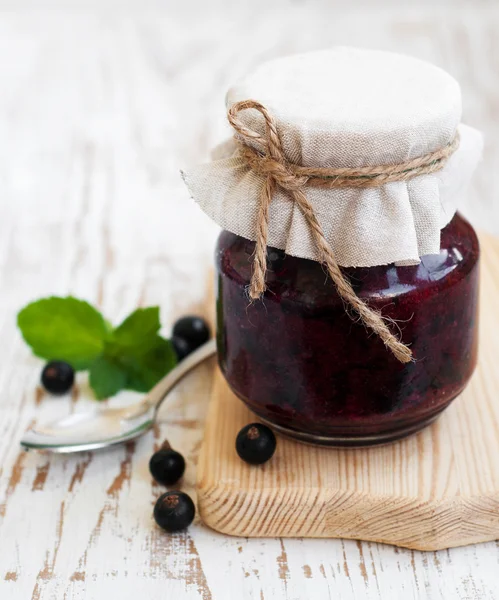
[97, 115]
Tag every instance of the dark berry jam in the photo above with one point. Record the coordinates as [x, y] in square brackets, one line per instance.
[302, 364]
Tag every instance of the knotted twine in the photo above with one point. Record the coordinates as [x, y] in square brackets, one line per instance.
[269, 161]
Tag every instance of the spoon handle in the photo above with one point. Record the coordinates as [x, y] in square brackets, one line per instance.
[159, 392]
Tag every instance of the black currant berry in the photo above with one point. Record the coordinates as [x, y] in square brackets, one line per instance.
[174, 511]
[58, 377]
[182, 347]
[166, 465]
[256, 443]
[193, 330]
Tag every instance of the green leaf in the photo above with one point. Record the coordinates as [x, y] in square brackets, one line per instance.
[147, 369]
[135, 357]
[63, 328]
[106, 378]
[144, 364]
[138, 331]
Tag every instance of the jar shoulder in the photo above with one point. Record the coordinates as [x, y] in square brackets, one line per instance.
[305, 280]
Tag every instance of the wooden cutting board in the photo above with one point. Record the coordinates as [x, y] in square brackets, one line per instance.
[434, 490]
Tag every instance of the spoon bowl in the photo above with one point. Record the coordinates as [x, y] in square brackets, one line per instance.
[104, 427]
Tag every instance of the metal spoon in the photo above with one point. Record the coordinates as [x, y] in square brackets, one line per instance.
[105, 427]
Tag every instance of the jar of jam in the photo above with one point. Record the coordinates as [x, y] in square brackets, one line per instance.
[301, 364]
[347, 280]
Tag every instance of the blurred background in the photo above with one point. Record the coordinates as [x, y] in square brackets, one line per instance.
[102, 102]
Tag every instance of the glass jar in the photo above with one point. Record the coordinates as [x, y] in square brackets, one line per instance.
[305, 367]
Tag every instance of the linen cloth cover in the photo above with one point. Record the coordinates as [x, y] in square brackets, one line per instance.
[347, 107]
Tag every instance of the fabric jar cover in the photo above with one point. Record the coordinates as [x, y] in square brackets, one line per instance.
[347, 107]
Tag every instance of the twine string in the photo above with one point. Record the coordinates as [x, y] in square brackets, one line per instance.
[269, 162]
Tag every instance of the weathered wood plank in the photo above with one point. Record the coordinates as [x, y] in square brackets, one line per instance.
[97, 114]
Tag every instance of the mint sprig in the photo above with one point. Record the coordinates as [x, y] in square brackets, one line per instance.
[64, 328]
[131, 356]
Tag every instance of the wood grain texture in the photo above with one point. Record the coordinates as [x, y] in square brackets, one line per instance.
[98, 112]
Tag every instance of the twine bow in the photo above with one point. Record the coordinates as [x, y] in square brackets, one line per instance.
[271, 163]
